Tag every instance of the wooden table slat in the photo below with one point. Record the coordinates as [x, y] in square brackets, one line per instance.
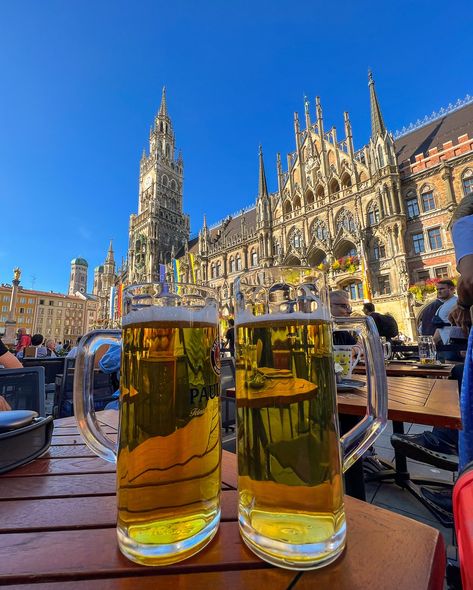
[43, 466]
[228, 580]
[78, 512]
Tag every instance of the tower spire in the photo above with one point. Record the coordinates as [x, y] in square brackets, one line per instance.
[262, 186]
[377, 123]
[163, 111]
[110, 257]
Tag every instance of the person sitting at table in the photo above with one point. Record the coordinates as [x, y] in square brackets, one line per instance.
[386, 324]
[23, 340]
[441, 444]
[340, 307]
[7, 361]
[50, 347]
[73, 352]
[36, 350]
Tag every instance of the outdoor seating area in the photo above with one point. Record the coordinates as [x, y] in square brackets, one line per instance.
[236, 296]
[419, 397]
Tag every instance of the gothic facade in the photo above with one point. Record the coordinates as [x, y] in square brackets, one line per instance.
[389, 202]
[104, 279]
[160, 229]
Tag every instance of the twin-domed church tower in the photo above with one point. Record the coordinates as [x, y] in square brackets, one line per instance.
[160, 228]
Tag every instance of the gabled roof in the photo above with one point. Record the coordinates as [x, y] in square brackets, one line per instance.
[447, 128]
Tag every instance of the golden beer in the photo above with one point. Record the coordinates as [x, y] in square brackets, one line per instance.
[289, 464]
[168, 463]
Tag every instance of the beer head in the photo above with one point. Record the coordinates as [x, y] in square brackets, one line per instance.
[169, 303]
[282, 294]
[176, 315]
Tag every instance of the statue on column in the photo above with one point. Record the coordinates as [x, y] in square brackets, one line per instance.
[16, 274]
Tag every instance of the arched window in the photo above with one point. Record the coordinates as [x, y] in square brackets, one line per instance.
[173, 185]
[320, 192]
[238, 262]
[218, 269]
[346, 180]
[254, 258]
[379, 250]
[168, 151]
[295, 238]
[213, 271]
[380, 156]
[373, 214]
[287, 206]
[412, 205]
[427, 198]
[309, 197]
[232, 264]
[319, 230]
[346, 220]
[467, 182]
[165, 180]
[354, 289]
[334, 186]
[276, 247]
[297, 202]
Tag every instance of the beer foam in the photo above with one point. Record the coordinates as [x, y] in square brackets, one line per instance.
[188, 315]
[246, 317]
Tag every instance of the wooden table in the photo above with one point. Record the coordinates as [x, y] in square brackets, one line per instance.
[399, 369]
[58, 532]
[434, 402]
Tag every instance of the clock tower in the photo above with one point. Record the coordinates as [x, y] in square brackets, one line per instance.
[160, 227]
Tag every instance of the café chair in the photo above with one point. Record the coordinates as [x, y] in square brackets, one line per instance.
[104, 388]
[52, 366]
[24, 388]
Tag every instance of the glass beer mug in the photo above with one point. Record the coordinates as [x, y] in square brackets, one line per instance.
[169, 452]
[290, 454]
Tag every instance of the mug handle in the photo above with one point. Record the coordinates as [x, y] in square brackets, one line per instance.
[84, 410]
[357, 440]
[358, 356]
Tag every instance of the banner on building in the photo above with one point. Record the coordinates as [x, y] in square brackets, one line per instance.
[162, 273]
[367, 294]
[192, 266]
[118, 313]
[176, 265]
[112, 303]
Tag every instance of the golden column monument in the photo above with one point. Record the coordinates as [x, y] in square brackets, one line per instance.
[10, 324]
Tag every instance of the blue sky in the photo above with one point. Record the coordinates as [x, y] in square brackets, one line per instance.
[81, 82]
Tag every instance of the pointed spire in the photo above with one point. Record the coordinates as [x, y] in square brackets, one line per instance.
[307, 112]
[348, 133]
[205, 221]
[110, 257]
[163, 111]
[262, 186]
[377, 123]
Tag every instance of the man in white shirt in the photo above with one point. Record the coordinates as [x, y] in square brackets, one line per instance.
[446, 293]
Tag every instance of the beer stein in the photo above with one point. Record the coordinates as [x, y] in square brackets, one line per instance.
[168, 453]
[291, 457]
